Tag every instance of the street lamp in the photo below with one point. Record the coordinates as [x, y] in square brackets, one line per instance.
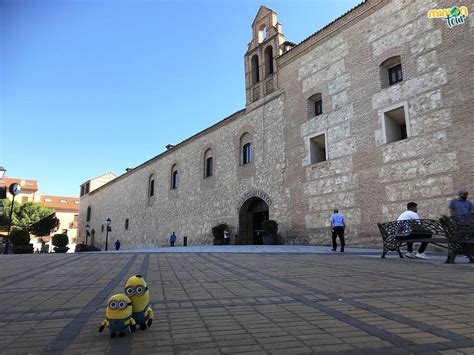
[88, 233]
[14, 190]
[109, 229]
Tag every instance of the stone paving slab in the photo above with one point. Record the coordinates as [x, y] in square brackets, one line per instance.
[229, 303]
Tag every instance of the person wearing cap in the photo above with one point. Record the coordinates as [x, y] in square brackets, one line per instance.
[460, 205]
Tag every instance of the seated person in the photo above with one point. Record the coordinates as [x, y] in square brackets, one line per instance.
[411, 215]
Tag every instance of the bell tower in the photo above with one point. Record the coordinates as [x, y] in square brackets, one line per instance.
[260, 64]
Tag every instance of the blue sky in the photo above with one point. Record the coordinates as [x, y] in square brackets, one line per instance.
[91, 86]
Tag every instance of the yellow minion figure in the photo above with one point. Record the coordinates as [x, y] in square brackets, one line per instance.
[137, 289]
[118, 316]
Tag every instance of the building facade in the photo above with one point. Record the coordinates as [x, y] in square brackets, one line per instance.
[365, 115]
[66, 208]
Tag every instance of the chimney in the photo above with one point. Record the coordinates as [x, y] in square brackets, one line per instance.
[169, 146]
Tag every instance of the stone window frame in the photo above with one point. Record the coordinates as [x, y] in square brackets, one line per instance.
[174, 185]
[262, 34]
[268, 60]
[311, 143]
[208, 154]
[312, 102]
[386, 109]
[385, 67]
[245, 139]
[89, 213]
[151, 190]
[254, 65]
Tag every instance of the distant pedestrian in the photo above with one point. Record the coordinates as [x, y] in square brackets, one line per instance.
[172, 239]
[226, 237]
[338, 226]
[117, 245]
[460, 205]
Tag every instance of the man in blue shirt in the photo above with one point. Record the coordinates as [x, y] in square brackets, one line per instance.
[172, 239]
[460, 205]
[337, 225]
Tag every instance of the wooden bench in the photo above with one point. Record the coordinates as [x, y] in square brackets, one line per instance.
[460, 232]
[396, 234]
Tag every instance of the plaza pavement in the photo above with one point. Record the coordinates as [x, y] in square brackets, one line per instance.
[232, 299]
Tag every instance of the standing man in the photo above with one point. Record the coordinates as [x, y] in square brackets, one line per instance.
[337, 226]
[172, 239]
[117, 245]
[460, 205]
[412, 214]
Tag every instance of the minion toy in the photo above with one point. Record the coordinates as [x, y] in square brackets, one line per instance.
[118, 316]
[137, 289]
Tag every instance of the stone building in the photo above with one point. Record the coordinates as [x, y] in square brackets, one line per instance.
[366, 114]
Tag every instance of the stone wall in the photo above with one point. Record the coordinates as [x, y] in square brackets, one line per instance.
[198, 203]
[367, 179]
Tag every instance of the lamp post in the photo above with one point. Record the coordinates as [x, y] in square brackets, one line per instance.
[3, 190]
[109, 229]
[88, 233]
[14, 190]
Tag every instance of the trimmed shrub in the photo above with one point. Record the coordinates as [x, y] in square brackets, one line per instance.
[60, 240]
[270, 226]
[19, 237]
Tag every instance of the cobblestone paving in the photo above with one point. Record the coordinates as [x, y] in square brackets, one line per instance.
[239, 303]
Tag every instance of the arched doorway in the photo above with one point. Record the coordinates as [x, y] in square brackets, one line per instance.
[252, 213]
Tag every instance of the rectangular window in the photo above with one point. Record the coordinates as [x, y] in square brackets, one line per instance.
[209, 167]
[395, 125]
[315, 105]
[246, 154]
[395, 74]
[63, 201]
[318, 107]
[126, 224]
[82, 190]
[317, 149]
[87, 188]
[175, 180]
[152, 188]
[48, 200]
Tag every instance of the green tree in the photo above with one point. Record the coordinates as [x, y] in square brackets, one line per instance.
[5, 215]
[24, 215]
[45, 226]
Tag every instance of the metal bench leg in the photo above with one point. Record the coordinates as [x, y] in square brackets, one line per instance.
[451, 258]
